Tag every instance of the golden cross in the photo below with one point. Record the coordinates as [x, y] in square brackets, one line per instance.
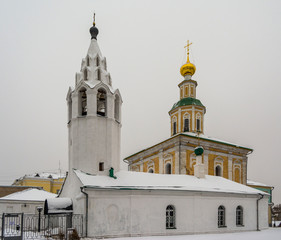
[187, 49]
[94, 23]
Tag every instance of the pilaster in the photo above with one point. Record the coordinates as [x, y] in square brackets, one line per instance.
[230, 170]
[161, 164]
[92, 102]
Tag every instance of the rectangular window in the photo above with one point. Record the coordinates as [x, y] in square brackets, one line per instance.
[186, 125]
[174, 128]
[101, 166]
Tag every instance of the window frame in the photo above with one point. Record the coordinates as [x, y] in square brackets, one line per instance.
[221, 216]
[170, 217]
[239, 216]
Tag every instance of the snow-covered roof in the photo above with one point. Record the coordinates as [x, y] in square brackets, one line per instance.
[58, 205]
[150, 181]
[250, 182]
[45, 175]
[30, 195]
[202, 136]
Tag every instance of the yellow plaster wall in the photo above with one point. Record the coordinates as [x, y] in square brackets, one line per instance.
[49, 185]
[211, 170]
[156, 164]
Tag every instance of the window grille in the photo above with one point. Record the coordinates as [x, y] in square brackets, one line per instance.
[221, 216]
[170, 217]
[239, 216]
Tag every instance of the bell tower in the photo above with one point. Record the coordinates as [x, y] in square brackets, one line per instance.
[187, 115]
[94, 115]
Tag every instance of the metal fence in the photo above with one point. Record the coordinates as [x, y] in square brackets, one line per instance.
[61, 226]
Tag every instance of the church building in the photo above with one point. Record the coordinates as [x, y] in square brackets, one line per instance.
[176, 154]
[187, 196]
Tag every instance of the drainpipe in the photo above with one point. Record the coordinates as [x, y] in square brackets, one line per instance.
[260, 197]
[87, 204]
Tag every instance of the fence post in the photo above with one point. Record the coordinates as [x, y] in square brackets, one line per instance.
[21, 226]
[3, 225]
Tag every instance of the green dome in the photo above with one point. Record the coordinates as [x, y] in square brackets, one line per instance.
[187, 101]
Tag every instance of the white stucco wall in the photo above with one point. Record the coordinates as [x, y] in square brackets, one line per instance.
[142, 212]
[18, 206]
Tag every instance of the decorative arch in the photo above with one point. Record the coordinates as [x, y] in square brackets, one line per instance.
[101, 102]
[150, 165]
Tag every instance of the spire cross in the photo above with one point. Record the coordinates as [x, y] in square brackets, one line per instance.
[187, 49]
[94, 23]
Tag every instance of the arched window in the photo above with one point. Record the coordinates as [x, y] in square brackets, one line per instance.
[174, 125]
[117, 108]
[170, 217]
[97, 61]
[239, 216]
[198, 122]
[186, 122]
[151, 170]
[221, 216]
[82, 102]
[168, 168]
[98, 74]
[218, 171]
[88, 61]
[101, 102]
[85, 74]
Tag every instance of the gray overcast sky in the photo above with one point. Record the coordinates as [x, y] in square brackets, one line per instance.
[236, 49]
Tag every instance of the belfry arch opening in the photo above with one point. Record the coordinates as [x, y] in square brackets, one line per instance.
[101, 102]
[218, 171]
[82, 102]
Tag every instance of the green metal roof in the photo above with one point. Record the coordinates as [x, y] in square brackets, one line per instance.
[186, 102]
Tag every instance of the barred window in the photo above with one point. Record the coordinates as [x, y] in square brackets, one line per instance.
[170, 217]
[239, 216]
[221, 216]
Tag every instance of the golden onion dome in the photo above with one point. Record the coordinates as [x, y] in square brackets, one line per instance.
[188, 68]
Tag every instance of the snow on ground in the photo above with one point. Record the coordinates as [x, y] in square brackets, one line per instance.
[271, 233]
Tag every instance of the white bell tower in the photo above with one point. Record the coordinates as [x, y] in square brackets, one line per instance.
[94, 116]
